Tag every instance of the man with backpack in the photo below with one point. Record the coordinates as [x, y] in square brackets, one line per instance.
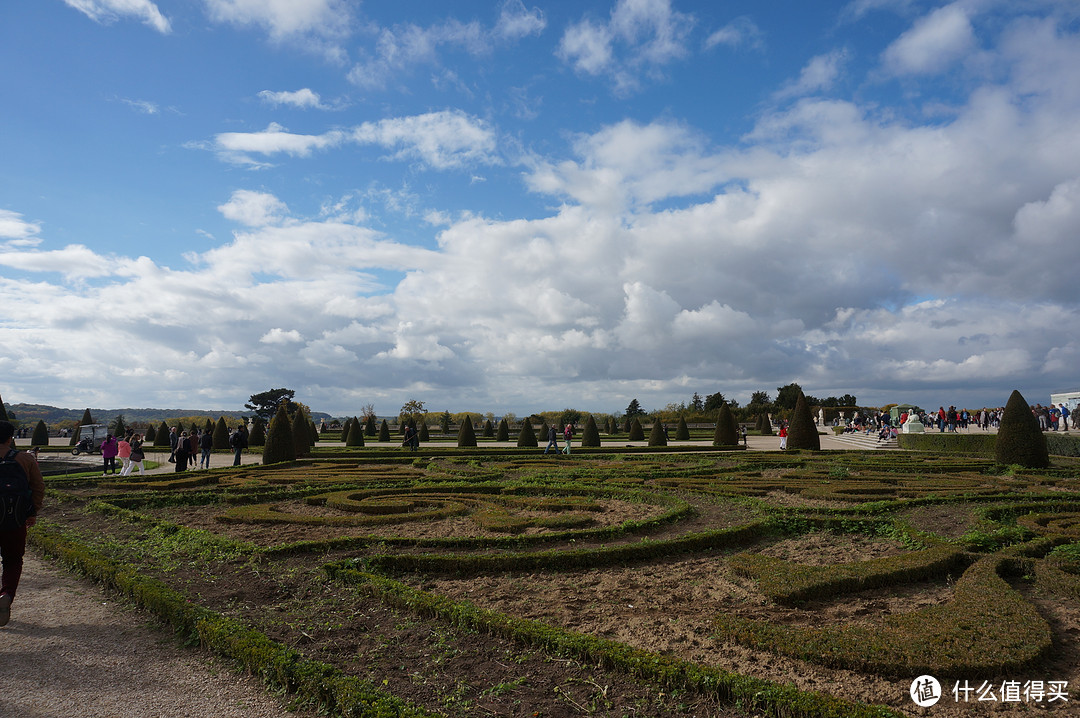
[22, 491]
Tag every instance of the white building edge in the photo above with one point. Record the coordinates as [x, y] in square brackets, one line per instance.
[1070, 399]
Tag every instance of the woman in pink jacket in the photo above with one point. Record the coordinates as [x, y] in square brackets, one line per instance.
[109, 449]
[123, 450]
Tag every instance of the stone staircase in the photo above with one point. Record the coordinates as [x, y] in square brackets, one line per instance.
[859, 441]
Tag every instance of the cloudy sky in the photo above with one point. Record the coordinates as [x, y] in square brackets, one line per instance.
[521, 205]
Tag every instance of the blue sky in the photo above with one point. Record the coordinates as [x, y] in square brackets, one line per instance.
[516, 206]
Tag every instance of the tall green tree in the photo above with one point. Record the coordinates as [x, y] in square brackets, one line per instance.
[657, 437]
[1019, 438]
[714, 402]
[802, 431]
[466, 434]
[356, 433]
[301, 434]
[590, 435]
[682, 431]
[161, 436]
[279, 444]
[444, 422]
[726, 433]
[787, 397]
[40, 436]
[526, 437]
[697, 403]
[257, 437]
[634, 409]
[221, 434]
[265, 404]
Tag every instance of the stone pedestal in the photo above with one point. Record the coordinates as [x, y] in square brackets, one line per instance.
[913, 425]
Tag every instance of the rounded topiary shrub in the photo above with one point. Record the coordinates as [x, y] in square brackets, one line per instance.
[504, 431]
[636, 433]
[802, 431]
[526, 437]
[279, 444]
[657, 437]
[726, 434]
[1019, 439]
[590, 435]
[356, 433]
[466, 435]
[384, 431]
[40, 436]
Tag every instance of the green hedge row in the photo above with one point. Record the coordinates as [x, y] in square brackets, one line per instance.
[987, 628]
[644, 550]
[788, 583]
[1059, 444]
[755, 695]
[281, 667]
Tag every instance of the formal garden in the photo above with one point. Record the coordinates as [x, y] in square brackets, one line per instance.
[375, 581]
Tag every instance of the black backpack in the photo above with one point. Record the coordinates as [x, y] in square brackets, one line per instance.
[16, 499]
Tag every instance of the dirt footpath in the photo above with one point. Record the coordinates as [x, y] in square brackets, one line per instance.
[71, 650]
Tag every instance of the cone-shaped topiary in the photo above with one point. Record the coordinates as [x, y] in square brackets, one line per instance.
[384, 431]
[423, 432]
[636, 433]
[726, 434]
[279, 444]
[221, 434]
[150, 435]
[3, 411]
[75, 433]
[802, 431]
[543, 433]
[682, 431]
[504, 431]
[86, 418]
[489, 429]
[612, 426]
[526, 438]
[301, 440]
[41, 434]
[257, 437]
[209, 425]
[356, 432]
[590, 435]
[1019, 439]
[466, 435]
[657, 437]
[345, 429]
[764, 424]
[627, 424]
[312, 433]
[369, 426]
[161, 436]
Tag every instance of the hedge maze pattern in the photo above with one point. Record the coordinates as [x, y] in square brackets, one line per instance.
[995, 550]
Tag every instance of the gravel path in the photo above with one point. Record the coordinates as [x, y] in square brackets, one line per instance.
[71, 650]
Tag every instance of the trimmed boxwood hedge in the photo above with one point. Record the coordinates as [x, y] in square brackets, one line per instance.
[755, 695]
[279, 666]
[986, 628]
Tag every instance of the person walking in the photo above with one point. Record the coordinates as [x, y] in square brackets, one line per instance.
[123, 451]
[174, 441]
[553, 439]
[137, 456]
[238, 442]
[568, 434]
[783, 436]
[180, 456]
[206, 443]
[19, 474]
[109, 448]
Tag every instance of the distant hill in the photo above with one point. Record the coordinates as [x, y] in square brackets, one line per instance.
[32, 413]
